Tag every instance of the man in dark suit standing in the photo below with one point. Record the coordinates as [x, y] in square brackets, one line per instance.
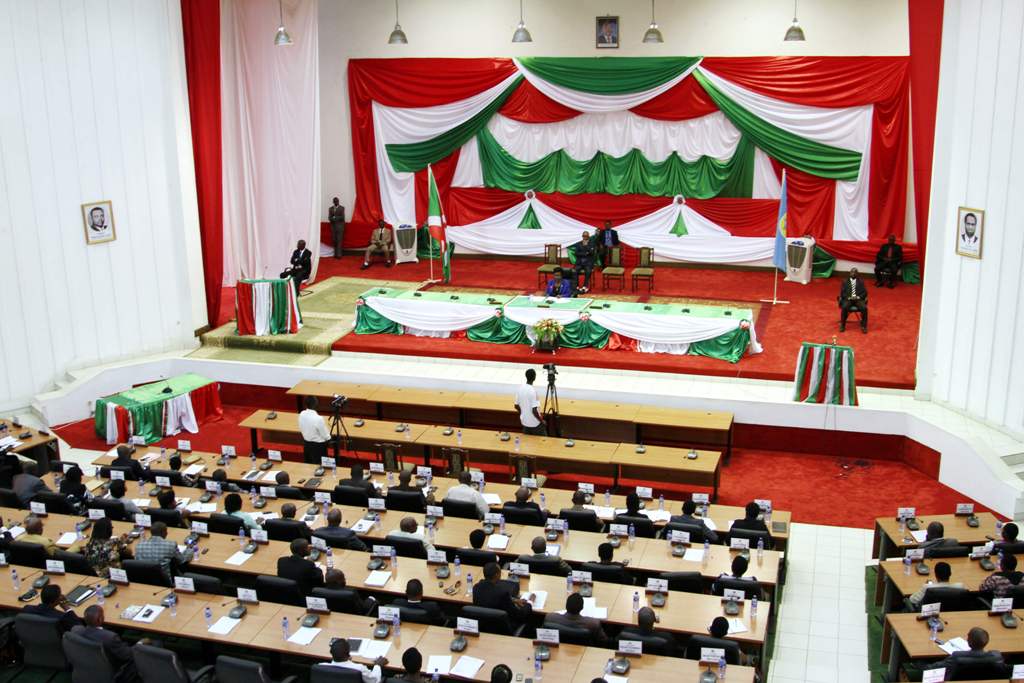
[887, 263]
[607, 237]
[495, 594]
[586, 253]
[302, 265]
[118, 651]
[414, 598]
[300, 570]
[853, 296]
[336, 216]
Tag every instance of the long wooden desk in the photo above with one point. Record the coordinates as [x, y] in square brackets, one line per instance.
[607, 420]
[888, 541]
[41, 447]
[896, 584]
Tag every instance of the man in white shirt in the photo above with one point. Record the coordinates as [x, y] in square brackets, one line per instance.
[408, 528]
[464, 492]
[529, 406]
[314, 433]
[340, 657]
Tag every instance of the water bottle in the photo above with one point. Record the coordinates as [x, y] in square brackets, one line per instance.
[636, 601]
[408, 433]
[607, 497]
[100, 599]
[721, 668]
[934, 630]
[394, 558]
[391, 479]
[565, 533]
[483, 482]
[252, 495]
[376, 520]
[568, 584]
[174, 605]
[607, 668]
[15, 579]
[142, 487]
[999, 528]
[323, 510]
[252, 459]
[753, 608]
[632, 535]
[707, 547]
[661, 501]
[458, 441]
[396, 626]
[436, 677]
[241, 537]
[518, 443]
[432, 532]
[334, 468]
[163, 452]
[330, 559]
[469, 583]
[760, 550]
[284, 627]
[78, 534]
[543, 502]
[906, 565]
[458, 566]
[208, 616]
[538, 668]
[501, 526]
[903, 526]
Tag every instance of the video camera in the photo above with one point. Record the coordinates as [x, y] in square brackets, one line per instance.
[339, 401]
[550, 367]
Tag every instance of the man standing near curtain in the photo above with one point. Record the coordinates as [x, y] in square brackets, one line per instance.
[336, 216]
[607, 237]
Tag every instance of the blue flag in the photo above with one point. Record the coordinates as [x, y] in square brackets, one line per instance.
[779, 257]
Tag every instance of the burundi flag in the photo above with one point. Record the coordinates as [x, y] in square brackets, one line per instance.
[436, 223]
[779, 257]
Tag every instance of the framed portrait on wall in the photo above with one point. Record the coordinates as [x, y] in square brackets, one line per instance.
[970, 228]
[98, 221]
[607, 32]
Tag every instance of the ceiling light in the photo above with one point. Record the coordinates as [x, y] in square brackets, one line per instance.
[795, 33]
[281, 38]
[397, 36]
[653, 34]
[521, 35]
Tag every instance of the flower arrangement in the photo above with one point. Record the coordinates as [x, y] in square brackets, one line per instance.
[498, 313]
[360, 301]
[584, 316]
[744, 324]
[548, 328]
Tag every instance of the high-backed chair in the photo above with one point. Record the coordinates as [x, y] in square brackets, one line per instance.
[342, 600]
[457, 460]
[466, 509]
[731, 647]
[276, 589]
[644, 270]
[40, 639]
[158, 665]
[491, 620]
[582, 520]
[220, 523]
[687, 582]
[613, 270]
[141, 571]
[552, 260]
[407, 547]
[350, 495]
[112, 509]
[405, 501]
[56, 503]
[89, 661]
[235, 670]
[753, 536]
[391, 455]
[324, 673]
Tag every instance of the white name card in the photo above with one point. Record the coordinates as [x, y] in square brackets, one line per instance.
[329, 463]
[247, 595]
[3, 560]
[679, 536]
[200, 528]
[212, 486]
[376, 504]
[118, 576]
[322, 497]
[657, 585]
[931, 609]
[547, 635]
[582, 577]
[424, 471]
[54, 567]
[97, 513]
[934, 675]
[1002, 604]
[631, 647]
[435, 511]
[476, 476]
[733, 594]
[319, 543]
[184, 585]
[586, 488]
[388, 614]
[711, 655]
[228, 451]
[519, 568]
[529, 482]
[184, 445]
[316, 604]
[556, 524]
[376, 467]
[965, 508]
[739, 543]
[493, 518]
[437, 557]
[165, 482]
[259, 536]
[470, 626]
[116, 474]
[136, 440]
[906, 513]
[702, 498]
[382, 550]
[268, 492]
[274, 456]
[915, 553]
[645, 492]
[143, 520]
[1018, 673]
[37, 508]
[619, 529]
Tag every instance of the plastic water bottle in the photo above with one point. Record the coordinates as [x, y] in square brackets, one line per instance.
[632, 535]
[252, 495]
[376, 520]
[760, 550]
[284, 627]
[431, 532]
[174, 605]
[636, 601]
[607, 497]
[753, 607]
[501, 526]
[323, 511]
[543, 502]
[330, 559]
[142, 487]
[391, 479]
[661, 501]
[458, 441]
[396, 626]
[999, 528]
[565, 532]
[241, 537]
[518, 443]
[394, 558]
[100, 599]
[707, 553]
[15, 579]
[934, 630]
[435, 677]
[903, 526]
[252, 459]
[408, 433]
[538, 669]
[483, 482]
[78, 533]
[163, 452]
[721, 668]
[458, 566]
[906, 565]
[208, 616]
[568, 584]
[469, 583]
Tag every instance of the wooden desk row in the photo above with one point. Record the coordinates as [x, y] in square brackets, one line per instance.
[607, 420]
[584, 457]
[889, 541]
[40, 446]
[893, 584]
[261, 629]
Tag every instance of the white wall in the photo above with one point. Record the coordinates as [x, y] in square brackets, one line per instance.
[973, 311]
[483, 28]
[94, 108]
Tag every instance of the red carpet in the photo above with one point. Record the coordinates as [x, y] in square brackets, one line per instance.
[886, 357]
[815, 488]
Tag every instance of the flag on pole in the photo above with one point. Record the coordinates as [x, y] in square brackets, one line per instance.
[436, 224]
[779, 257]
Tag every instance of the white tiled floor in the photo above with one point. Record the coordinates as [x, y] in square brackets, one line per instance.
[822, 627]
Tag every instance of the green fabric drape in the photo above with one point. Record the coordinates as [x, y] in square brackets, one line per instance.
[729, 347]
[146, 405]
[530, 220]
[427, 246]
[823, 264]
[369, 321]
[679, 227]
[911, 273]
[608, 75]
[581, 334]
[414, 156]
[824, 161]
[498, 330]
[279, 306]
[631, 173]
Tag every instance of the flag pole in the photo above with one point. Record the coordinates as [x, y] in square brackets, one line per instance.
[779, 251]
[430, 237]
[775, 291]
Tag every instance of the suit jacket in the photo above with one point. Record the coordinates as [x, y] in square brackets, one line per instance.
[65, 620]
[751, 525]
[134, 465]
[846, 291]
[601, 235]
[563, 566]
[433, 610]
[340, 537]
[117, 650]
[592, 625]
[302, 262]
[365, 484]
[302, 571]
[494, 595]
[967, 658]
[301, 528]
[892, 253]
[336, 213]
[586, 253]
[26, 486]
[528, 506]
[690, 519]
[564, 289]
[928, 546]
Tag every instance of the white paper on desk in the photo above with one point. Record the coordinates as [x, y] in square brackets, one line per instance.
[304, 635]
[539, 598]
[710, 523]
[657, 515]
[223, 626]
[952, 645]
[202, 508]
[494, 542]
[266, 515]
[148, 614]
[737, 626]
[377, 578]
[193, 470]
[440, 664]
[615, 679]
[67, 538]
[492, 498]
[16, 531]
[238, 558]
[694, 555]
[371, 649]
[601, 511]
[919, 536]
[590, 609]
[467, 666]
[933, 675]
[181, 502]
[141, 502]
[1017, 673]
[271, 475]
[362, 526]
[182, 548]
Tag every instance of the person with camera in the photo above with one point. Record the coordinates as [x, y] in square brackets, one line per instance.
[315, 434]
[528, 406]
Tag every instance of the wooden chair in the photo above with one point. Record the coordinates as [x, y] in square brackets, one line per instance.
[552, 259]
[390, 455]
[644, 269]
[525, 466]
[457, 460]
[613, 270]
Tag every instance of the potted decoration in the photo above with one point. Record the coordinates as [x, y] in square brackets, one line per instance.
[547, 332]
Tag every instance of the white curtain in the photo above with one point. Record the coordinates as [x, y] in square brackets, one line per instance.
[766, 184]
[112, 435]
[261, 307]
[270, 128]
[468, 170]
[424, 316]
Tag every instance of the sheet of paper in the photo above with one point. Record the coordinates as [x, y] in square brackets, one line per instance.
[271, 475]
[304, 636]
[590, 609]
[238, 558]
[16, 531]
[440, 664]
[67, 538]
[371, 649]
[266, 515]
[224, 625]
[694, 555]
[609, 678]
[540, 598]
[494, 542]
[377, 578]
[193, 470]
[202, 508]
[952, 645]
[148, 614]
[920, 535]
[492, 498]
[658, 515]
[737, 626]
[94, 484]
[467, 666]
[362, 526]
[181, 502]
[602, 511]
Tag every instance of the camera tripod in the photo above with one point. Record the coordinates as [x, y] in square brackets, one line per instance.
[551, 404]
[337, 428]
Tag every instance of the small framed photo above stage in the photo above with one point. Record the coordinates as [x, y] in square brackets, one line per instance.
[607, 32]
[970, 228]
[98, 221]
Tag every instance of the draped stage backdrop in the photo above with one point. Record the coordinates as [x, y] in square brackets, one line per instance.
[683, 154]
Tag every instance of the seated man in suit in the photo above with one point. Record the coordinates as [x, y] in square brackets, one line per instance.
[688, 517]
[632, 515]
[524, 504]
[477, 538]
[335, 580]
[739, 571]
[405, 484]
[288, 512]
[358, 480]
[605, 553]
[221, 477]
[888, 262]
[296, 567]
[409, 528]
[539, 547]
[27, 485]
[338, 536]
[493, 593]
[34, 534]
[645, 620]
[1000, 583]
[607, 237]
[301, 265]
[579, 500]
[124, 459]
[558, 286]
[414, 598]
[943, 572]
[118, 652]
[380, 240]
[586, 255]
[573, 617]
[117, 491]
[464, 491]
[977, 640]
[751, 519]
[53, 605]
[935, 537]
[853, 296]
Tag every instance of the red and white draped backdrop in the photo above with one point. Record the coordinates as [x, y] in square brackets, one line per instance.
[857, 107]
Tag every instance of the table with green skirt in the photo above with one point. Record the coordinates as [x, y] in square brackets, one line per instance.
[153, 411]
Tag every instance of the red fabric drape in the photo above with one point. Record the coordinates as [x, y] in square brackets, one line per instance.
[403, 83]
[444, 170]
[200, 21]
[687, 100]
[472, 204]
[206, 403]
[811, 205]
[245, 319]
[741, 217]
[529, 105]
[925, 47]
[865, 252]
[595, 209]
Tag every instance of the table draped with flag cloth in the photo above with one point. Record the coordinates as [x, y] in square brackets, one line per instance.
[714, 331]
[265, 307]
[151, 412]
[825, 374]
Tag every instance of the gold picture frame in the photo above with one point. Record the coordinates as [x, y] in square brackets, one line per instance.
[99, 228]
[969, 243]
[606, 34]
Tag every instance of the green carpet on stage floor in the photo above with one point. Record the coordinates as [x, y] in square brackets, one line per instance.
[335, 297]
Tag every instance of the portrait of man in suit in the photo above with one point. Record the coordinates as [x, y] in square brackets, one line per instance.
[607, 32]
[970, 223]
[99, 222]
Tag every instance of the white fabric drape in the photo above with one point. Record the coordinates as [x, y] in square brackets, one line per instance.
[766, 184]
[178, 415]
[851, 206]
[430, 316]
[112, 435]
[270, 131]
[617, 133]
[525, 315]
[468, 171]
[591, 102]
[661, 333]
[262, 303]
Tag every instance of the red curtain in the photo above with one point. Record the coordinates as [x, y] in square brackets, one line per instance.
[403, 83]
[741, 217]
[925, 48]
[200, 21]
[865, 252]
[444, 171]
[529, 105]
[245, 318]
[811, 204]
[687, 100]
